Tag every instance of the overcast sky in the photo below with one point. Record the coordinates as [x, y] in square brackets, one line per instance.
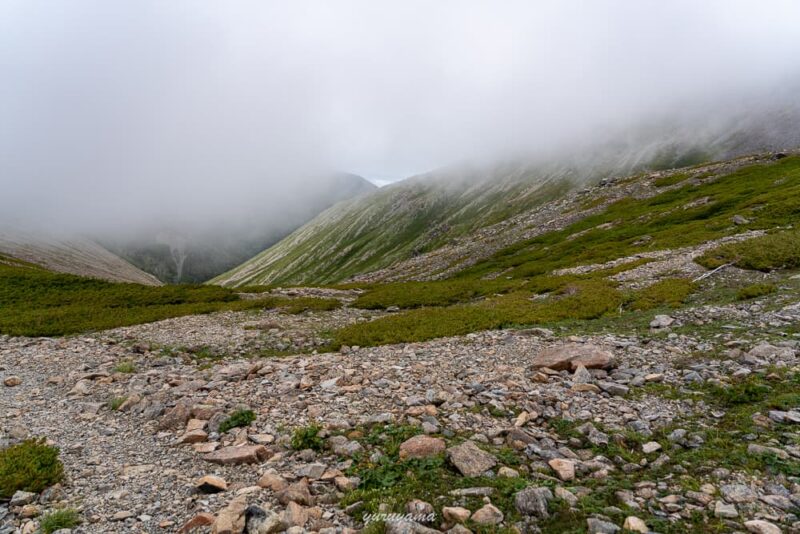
[121, 109]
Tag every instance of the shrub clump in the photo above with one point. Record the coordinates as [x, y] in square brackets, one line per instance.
[114, 403]
[755, 291]
[308, 437]
[58, 519]
[765, 253]
[671, 292]
[237, 419]
[29, 466]
[127, 367]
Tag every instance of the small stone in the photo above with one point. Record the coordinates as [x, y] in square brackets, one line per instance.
[211, 484]
[342, 446]
[260, 521]
[566, 496]
[122, 515]
[21, 498]
[297, 492]
[612, 388]
[488, 515]
[584, 388]
[175, 418]
[29, 511]
[598, 526]
[313, 471]
[422, 447]
[725, 511]
[419, 508]
[455, 514]
[194, 436]
[202, 519]
[661, 321]
[570, 356]
[12, 381]
[295, 515]
[651, 447]
[273, 481]
[470, 460]
[246, 454]
[758, 526]
[582, 375]
[507, 472]
[231, 519]
[565, 469]
[738, 493]
[634, 524]
[346, 483]
[533, 502]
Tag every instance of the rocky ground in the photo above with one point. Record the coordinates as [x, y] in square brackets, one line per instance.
[528, 429]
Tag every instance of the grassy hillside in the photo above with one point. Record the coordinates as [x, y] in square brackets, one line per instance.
[399, 222]
[521, 285]
[74, 255]
[688, 212]
[38, 302]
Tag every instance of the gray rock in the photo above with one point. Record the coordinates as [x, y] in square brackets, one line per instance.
[661, 321]
[342, 446]
[470, 460]
[533, 502]
[738, 493]
[612, 388]
[260, 521]
[21, 498]
[407, 527]
[725, 511]
[759, 526]
[598, 526]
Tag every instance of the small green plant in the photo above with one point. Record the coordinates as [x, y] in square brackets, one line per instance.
[127, 367]
[755, 291]
[237, 419]
[741, 393]
[115, 402]
[29, 466]
[308, 437]
[58, 519]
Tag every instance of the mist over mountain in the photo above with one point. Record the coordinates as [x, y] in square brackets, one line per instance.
[425, 213]
[179, 252]
[114, 115]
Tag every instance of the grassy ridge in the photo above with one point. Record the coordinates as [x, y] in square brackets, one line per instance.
[37, 302]
[767, 194]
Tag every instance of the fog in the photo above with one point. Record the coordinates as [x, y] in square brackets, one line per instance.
[116, 114]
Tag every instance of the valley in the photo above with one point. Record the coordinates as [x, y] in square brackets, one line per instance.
[617, 356]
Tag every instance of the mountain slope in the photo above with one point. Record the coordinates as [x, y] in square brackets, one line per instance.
[399, 221]
[193, 253]
[433, 225]
[73, 255]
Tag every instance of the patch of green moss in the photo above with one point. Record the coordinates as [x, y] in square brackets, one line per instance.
[239, 418]
[766, 253]
[756, 290]
[308, 437]
[29, 466]
[65, 518]
[671, 292]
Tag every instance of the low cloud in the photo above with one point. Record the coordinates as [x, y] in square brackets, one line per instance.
[113, 114]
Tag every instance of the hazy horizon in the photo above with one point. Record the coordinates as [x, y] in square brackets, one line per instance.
[115, 114]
